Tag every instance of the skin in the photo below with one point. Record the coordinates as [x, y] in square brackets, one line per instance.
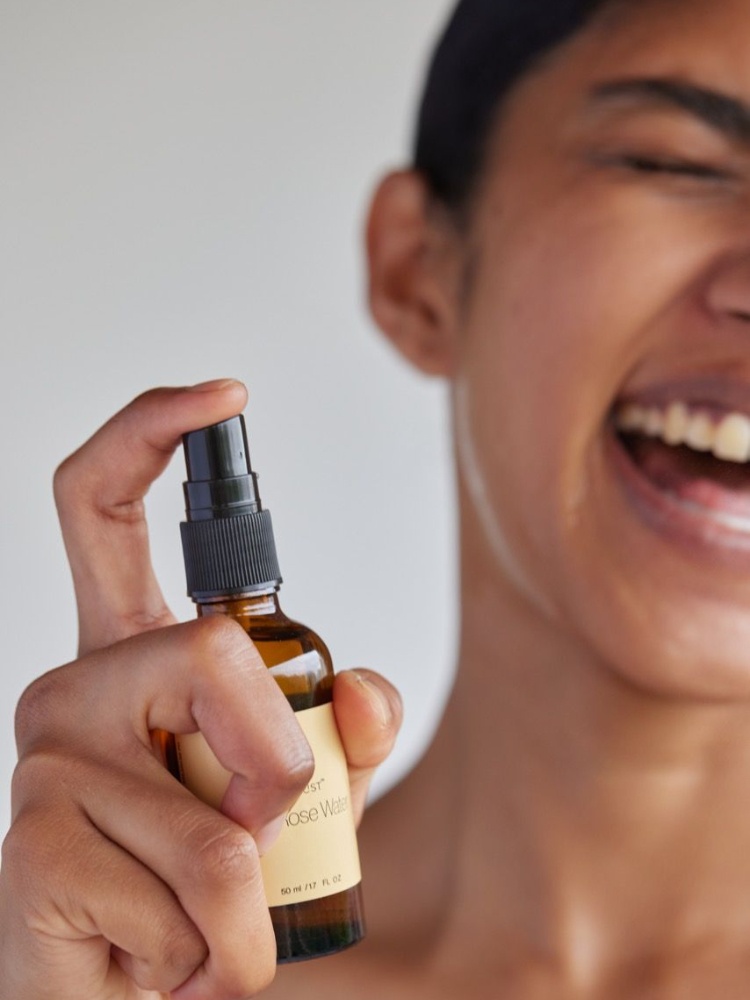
[577, 829]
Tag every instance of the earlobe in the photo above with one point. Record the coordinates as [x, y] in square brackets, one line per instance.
[413, 268]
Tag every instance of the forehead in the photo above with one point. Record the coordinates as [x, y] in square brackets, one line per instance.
[705, 43]
[700, 42]
[707, 38]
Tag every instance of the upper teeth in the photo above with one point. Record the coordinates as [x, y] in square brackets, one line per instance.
[727, 438]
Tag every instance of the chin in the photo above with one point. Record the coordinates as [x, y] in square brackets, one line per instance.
[672, 639]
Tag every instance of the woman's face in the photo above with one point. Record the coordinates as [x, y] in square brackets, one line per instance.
[611, 284]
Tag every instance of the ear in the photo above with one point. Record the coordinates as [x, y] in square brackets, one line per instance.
[414, 273]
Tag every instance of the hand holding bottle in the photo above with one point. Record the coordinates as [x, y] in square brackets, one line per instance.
[113, 873]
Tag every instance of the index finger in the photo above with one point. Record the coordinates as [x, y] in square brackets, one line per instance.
[99, 491]
[204, 676]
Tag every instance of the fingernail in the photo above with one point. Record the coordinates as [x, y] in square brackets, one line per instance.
[376, 698]
[214, 385]
[267, 836]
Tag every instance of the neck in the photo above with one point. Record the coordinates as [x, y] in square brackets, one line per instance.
[610, 820]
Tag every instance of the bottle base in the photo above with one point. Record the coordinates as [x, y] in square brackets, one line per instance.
[296, 951]
[301, 937]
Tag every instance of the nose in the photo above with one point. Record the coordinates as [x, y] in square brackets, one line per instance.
[729, 292]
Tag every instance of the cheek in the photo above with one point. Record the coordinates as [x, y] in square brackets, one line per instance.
[566, 303]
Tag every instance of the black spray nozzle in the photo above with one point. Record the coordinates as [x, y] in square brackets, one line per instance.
[218, 452]
[227, 539]
[220, 481]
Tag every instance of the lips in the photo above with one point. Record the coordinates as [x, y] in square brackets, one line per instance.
[685, 460]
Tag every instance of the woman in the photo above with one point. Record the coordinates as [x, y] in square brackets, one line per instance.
[573, 252]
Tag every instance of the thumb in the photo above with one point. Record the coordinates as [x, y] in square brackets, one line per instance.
[369, 713]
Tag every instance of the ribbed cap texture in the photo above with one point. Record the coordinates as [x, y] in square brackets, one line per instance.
[229, 555]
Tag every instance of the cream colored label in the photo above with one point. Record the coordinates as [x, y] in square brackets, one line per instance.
[316, 853]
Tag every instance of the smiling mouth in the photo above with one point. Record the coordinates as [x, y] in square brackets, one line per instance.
[689, 466]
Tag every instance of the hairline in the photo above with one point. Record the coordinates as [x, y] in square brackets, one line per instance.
[462, 210]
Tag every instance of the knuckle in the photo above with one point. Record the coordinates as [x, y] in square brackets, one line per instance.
[220, 640]
[65, 480]
[291, 771]
[32, 714]
[229, 857]
[182, 948]
[265, 974]
[75, 487]
[247, 979]
[30, 776]
[245, 987]
[179, 950]
[46, 777]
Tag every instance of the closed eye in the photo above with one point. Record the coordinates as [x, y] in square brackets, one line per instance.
[674, 167]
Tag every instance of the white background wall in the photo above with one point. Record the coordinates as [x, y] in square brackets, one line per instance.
[182, 187]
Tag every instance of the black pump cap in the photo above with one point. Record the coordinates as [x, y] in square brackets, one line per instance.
[218, 452]
[227, 540]
[220, 481]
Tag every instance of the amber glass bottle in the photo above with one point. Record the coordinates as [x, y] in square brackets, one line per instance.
[311, 874]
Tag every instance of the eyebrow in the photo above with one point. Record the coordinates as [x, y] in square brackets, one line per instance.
[719, 111]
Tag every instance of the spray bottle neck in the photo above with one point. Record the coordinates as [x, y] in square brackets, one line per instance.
[245, 609]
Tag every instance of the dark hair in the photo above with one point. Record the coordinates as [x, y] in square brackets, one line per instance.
[486, 47]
